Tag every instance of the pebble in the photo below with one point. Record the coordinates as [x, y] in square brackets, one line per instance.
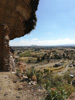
[20, 88]
[32, 83]
[6, 94]
[17, 96]
[6, 77]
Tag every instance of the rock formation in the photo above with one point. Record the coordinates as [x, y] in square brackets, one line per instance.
[4, 47]
[17, 18]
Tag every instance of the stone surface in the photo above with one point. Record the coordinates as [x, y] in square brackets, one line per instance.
[19, 15]
[9, 89]
[17, 18]
[4, 48]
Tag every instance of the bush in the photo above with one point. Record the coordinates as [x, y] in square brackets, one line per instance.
[38, 59]
[39, 76]
[30, 72]
[46, 71]
[56, 95]
[69, 88]
[67, 77]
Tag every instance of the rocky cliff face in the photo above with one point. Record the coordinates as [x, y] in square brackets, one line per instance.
[17, 18]
[4, 47]
[19, 15]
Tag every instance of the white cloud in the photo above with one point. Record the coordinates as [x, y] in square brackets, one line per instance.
[36, 41]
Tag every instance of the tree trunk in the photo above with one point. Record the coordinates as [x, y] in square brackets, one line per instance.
[4, 48]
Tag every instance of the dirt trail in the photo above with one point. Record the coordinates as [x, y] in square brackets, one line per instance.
[66, 68]
[38, 66]
[12, 90]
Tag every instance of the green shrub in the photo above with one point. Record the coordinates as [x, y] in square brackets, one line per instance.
[56, 95]
[67, 77]
[39, 76]
[30, 72]
[46, 71]
[57, 80]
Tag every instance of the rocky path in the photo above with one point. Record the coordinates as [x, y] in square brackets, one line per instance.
[66, 68]
[11, 89]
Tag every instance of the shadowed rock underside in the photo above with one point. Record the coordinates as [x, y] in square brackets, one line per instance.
[17, 18]
[19, 15]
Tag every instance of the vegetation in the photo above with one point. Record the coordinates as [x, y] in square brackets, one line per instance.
[45, 54]
[57, 84]
[56, 95]
[58, 87]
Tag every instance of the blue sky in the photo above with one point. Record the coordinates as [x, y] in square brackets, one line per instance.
[55, 24]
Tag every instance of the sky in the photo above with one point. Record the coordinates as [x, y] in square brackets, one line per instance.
[55, 25]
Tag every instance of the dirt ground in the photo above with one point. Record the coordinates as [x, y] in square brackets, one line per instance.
[72, 96]
[12, 89]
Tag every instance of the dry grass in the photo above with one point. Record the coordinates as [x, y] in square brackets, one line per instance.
[59, 69]
[56, 69]
[26, 58]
